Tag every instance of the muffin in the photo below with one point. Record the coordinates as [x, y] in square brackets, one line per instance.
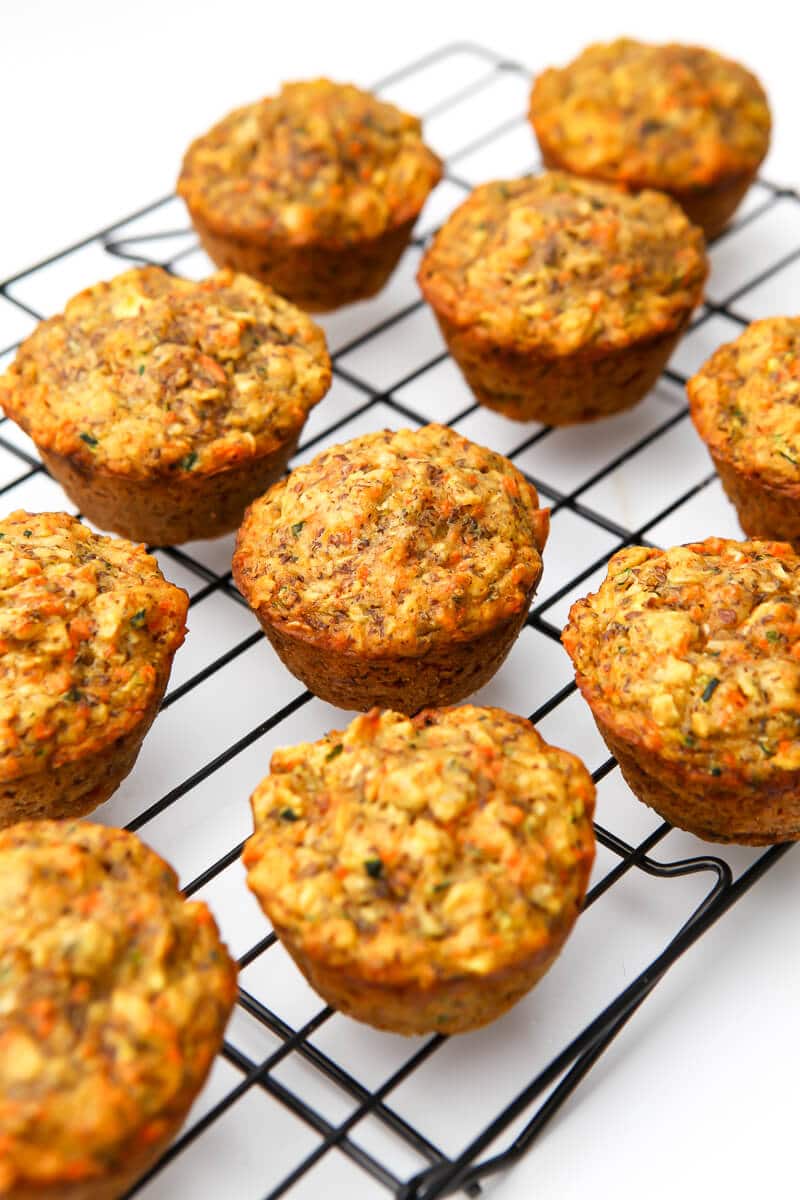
[88, 630]
[163, 406]
[744, 403]
[561, 299]
[394, 570]
[689, 659]
[423, 873]
[114, 994]
[677, 118]
[314, 191]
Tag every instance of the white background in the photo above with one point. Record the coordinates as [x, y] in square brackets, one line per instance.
[699, 1095]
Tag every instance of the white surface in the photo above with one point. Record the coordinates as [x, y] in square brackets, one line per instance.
[697, 1096]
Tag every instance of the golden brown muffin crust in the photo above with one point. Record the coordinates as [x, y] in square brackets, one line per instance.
[559, 265]
[692, 653]
[393, 543]
[114, 993]
[446, 845]
[745, 401]
[320, 161]
[86, 625]
[652, 115]
[151, 376]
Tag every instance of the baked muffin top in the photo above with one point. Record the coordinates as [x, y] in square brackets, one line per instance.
[561, 264]
[150, 375]
[114, 992]
[87, 626]
[666, 116]
[320, 161]
[694, 652]
[393, 543]
[450, 843]
[745, 401]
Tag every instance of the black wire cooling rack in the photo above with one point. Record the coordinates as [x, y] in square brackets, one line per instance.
[301, 1100]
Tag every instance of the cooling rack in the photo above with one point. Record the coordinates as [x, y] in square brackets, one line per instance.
[301, 1100]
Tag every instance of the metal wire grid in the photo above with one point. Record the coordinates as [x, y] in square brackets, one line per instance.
[472, 75]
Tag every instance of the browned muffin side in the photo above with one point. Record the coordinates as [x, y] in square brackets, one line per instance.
[744, 404]
[88, 630]
[425, 873]
[114, 994]
[680, 119]
[314, 191]
[163, 406]
[689, 659]
[396, 569]
[561, 299]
